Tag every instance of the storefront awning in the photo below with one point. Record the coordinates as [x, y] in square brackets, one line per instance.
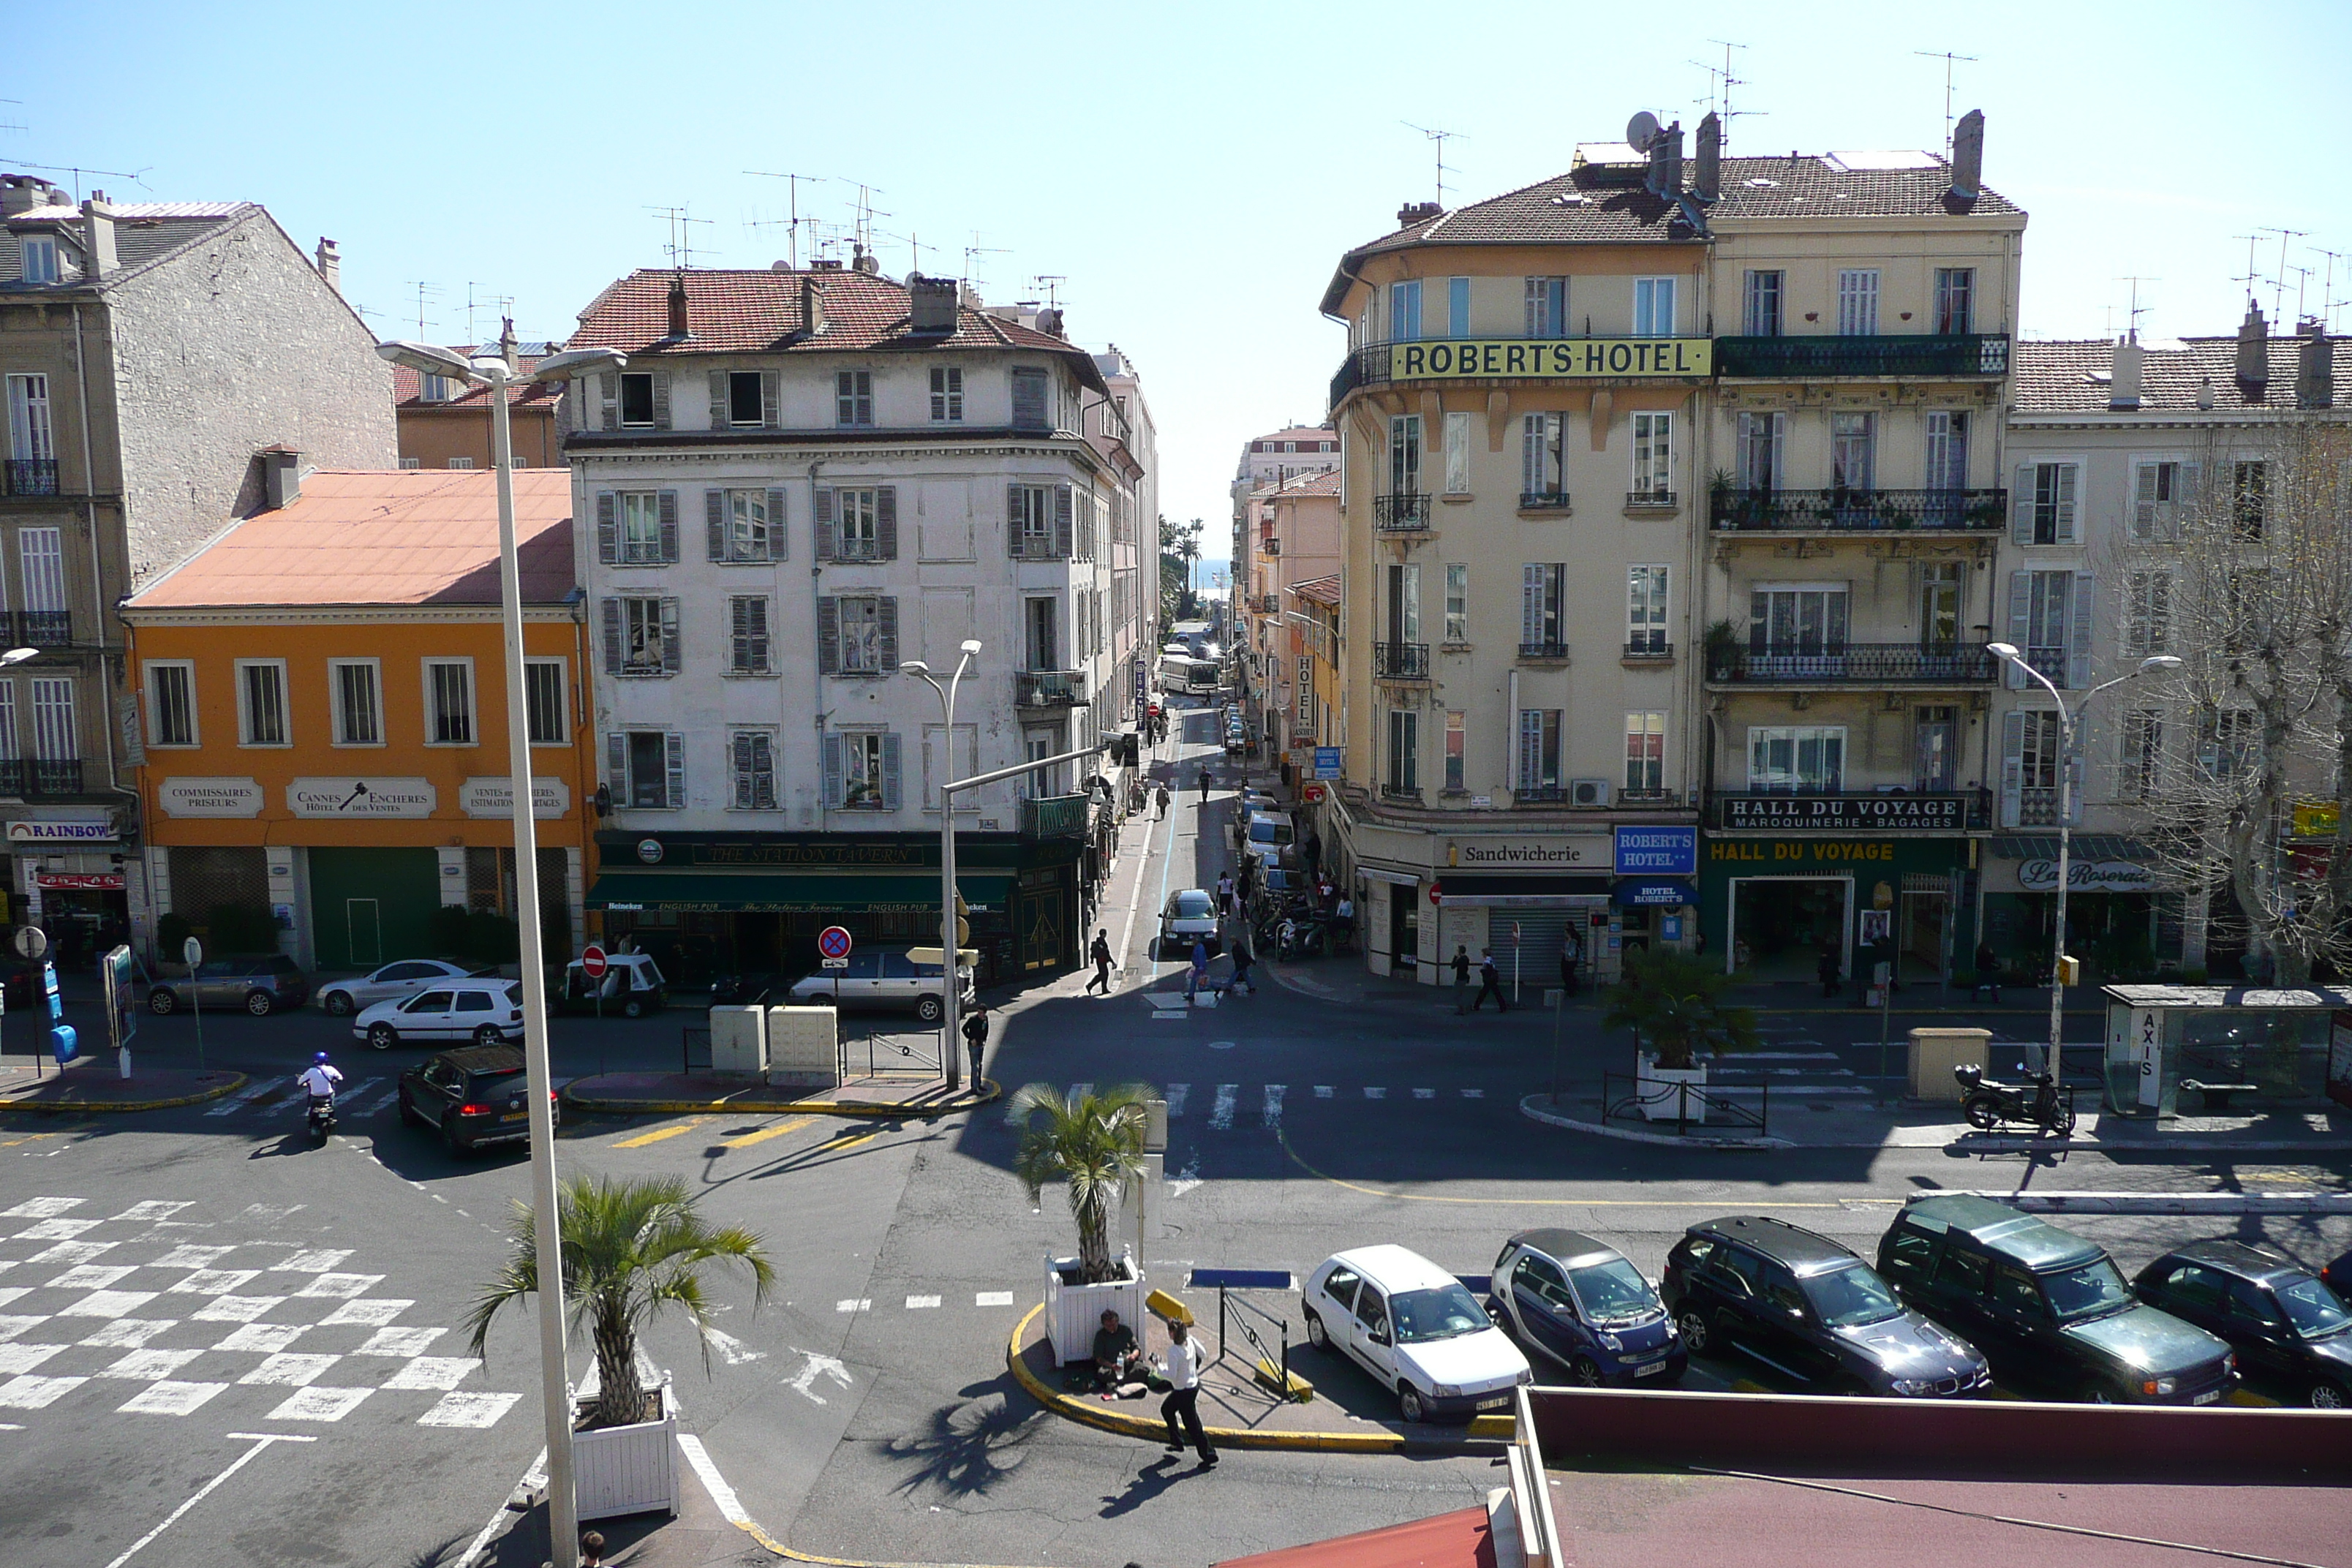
[2080, 847]
[1503, 891]
[751, 892]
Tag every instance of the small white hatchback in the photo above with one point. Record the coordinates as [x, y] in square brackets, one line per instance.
[1417, 1329]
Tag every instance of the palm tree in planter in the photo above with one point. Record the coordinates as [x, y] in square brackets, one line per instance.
[1092, 1146]
[632, 1248]
[1675, 1003]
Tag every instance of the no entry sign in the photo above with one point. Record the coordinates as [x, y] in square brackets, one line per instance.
[592, 962]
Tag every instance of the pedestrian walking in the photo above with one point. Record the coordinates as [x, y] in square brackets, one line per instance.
[1204, 784]
[975, 1039]
[1826, 970]
[1225, 892]
[1490, 982]
[1571, 953]
[592, 1549]
[1099, 954]
[1461, 979]
[1163, 803]
[1197, 974]
[1181, 1366]
[1242, 959]
[1987, 971]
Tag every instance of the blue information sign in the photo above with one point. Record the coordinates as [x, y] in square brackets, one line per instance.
[1326, 762]
[1657, 851]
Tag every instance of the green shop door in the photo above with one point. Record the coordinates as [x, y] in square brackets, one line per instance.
[371, 905]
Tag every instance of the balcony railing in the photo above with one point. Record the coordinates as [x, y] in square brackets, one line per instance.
[1650, 648]
[1401, 662]
[41, 628]
[1540, 794]
[1555, 651]
[31, 476]
[1913, 353]
[1405, 511]
[1544, 500]
[1633, 796]
[1051, 687]
[1842, 510]
[51, 777]
[2035, 808]
[1401, 792]
[1269, 604]
[1855, 664]
[11, 777]
[1660, 501]
[1943, 810]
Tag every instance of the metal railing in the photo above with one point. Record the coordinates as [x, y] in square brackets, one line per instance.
[53, 777]
[1051, 687]
[1555, 651]
[1403, 512]
[1401, 662]
[1843, 511]
[694, 1049]
[1539, 793]
[1649, 647]
[41, 628]
[1664, 500]
[1544, 500]
[1631, 796]
[1911, 353]
[31, 476]
[2037, 808]
[1626, 1097]
[1401, 792]
[1856, 663]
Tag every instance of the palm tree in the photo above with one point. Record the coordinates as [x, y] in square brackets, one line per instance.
[631, 1248]
[1675, 1002]
[1093, 1144]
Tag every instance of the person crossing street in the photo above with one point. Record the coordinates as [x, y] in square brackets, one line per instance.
[1182, 1367]
[1490, 982]
[1100, 955]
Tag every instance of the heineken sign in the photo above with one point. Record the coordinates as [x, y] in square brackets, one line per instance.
[1837, 813]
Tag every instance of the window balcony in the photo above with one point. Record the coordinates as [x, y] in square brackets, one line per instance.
[1401, 662]
[1652, 500]
[11, 777]
[49, 777]
[1545, 500]
[2035, 808]
[43, 629]
[1051, 687]
[1540, 794]
[1404, 794]
[1894, 810]
[1909, 353]
[1406, 512]
[1544, 652]
[1631, 795]
[31, 476]
[1855, 664]
[1842, 510]
[1649, 650]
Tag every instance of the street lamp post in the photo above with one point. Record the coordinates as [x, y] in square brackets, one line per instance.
[555, 1392]
[2008, 653]
[950, 1063]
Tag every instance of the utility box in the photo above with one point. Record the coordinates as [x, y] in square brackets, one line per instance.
[738, 1039]
[1935, 1052]
[803, 1048]
[1155, 1126]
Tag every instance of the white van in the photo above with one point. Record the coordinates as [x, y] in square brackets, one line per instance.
[1267, 835]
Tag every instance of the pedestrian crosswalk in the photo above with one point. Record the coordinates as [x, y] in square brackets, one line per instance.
[282, 1098]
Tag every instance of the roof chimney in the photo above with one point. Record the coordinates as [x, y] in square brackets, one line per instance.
[98, 240]
[1049, 321]
[281, 477]
[330, 263]
[2315, 381]
[1666, 162]
[1707, 178]
[22, 192]
[1412, 213]
[1967, 156]
[813, 306]
[509, 346]
[2254, 353]
[2123, 389]
[2205, 393]
[678, 324]
[865, 261]
[931, 304]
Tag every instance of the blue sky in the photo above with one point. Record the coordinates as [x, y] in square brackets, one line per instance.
[1191, 172]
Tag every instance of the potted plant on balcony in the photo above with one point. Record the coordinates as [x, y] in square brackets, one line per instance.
[1675, 1003]
[1092, 1145]
[1726, 655]
[1720, 486]
[633, 1247]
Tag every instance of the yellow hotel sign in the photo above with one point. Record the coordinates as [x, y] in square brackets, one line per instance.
[1559, 359]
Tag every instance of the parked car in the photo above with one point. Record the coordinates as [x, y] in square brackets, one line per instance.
[632, 986]
[1190, 916]
[487, 1014]
[1268, 834]
[2051, 1309]
[259, 985]
[2281, 1319]
[406, 977]
[882, 977]
[1582, 1304]
[474, 1096]
[1812, 1309]
[1417, 1329]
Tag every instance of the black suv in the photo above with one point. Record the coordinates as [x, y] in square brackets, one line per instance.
[2053, 1308]
[1805, 1306]
[474, 1095]
[2281, 1318]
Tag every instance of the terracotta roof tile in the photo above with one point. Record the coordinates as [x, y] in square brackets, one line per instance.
[408, 390]
[1322, 590]
[400, 536]
[2074, 376]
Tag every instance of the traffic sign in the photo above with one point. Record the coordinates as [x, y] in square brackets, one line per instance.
[591, 961]
[32, 942]
[833, 942]
[834, 962]
[193, 951]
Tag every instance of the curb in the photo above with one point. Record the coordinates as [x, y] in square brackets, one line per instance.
[58, 1107]
[1485, 1434]
[992, 1091]
[1659, 1140]
[2219, 1205]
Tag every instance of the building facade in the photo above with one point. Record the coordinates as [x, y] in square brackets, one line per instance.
[1269, 463]
[1297, 539]
[445, 423]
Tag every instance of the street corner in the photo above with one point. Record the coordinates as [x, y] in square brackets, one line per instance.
[75, 1090]
[1543, 1108]
[705, 1093]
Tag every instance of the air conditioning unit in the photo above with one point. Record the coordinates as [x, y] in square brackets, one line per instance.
[1587, 792]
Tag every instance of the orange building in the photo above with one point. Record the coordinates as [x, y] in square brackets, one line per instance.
[324, 695]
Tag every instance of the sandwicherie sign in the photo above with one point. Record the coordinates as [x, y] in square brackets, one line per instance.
[1870, 813]
[1551, 358]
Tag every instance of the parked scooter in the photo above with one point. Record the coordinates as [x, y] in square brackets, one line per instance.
[2043, 1104]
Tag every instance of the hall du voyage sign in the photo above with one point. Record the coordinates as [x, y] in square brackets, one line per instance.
[1861, 813]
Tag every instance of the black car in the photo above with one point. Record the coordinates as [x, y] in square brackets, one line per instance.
[1807, 1307]
[474, 1096]
[2282, 1319]
[2052, 1309]
[1578, 1301]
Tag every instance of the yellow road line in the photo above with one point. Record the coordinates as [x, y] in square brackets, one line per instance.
[764, 1133]
[659, 1134]
[1565, 1203]
[839, 1143]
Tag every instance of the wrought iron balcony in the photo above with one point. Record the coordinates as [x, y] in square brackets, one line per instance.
[1051, 687]
[32, 476]
[1401, 662]
[1656, 648]
[1855, 664]
[1629, 795]
[1652, 500]
[1839, 510]
[12, 776]
[42, 628]
[1406, 794]
[2035, 808]
[1405, 511]
[1540, 794]
[1821, 354]
[1544, 500]
[1849, 810]
[52, 777]
[1556, 652]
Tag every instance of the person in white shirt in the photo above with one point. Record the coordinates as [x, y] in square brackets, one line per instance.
[1182, 1363]
[322, 1080]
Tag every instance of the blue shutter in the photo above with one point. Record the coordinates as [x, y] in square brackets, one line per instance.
[832, 771]
[667, 504]
[889, 768]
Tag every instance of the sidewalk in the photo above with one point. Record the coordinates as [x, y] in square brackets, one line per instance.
[677, 1093]
[87, 1084]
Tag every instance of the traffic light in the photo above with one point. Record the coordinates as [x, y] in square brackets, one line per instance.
[963, 926]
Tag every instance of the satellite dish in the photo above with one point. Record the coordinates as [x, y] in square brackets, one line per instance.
[1641, 130]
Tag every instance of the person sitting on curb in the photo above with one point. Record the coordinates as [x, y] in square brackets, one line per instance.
[1116, 1353]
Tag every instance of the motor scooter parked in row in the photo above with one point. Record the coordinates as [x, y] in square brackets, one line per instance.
[2043, 1104]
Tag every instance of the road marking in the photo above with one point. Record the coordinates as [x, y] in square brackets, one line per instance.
[19, 1358]
[236, 1103]
[191, 1256]
[764, 1133]
[43, 1208]
[917, 1303]
[28, 1392]
[168, 1398]
[321, 1404]
[379, 1102]
[1221, 1115]
[435, 1372]
[1273, 1109]
[854, 1304]
[149, 1366]
[127, 1333]
[1473, 1094]
[341, 1286]
[1176, 1094]
[659, 1134]
[845, 1143]
[1373, 1093]
[401, 1342]
[477, 1411]
[734, 1350]
[234, 1309]
[260, 1441]
[56, 1229]
[1424, 1094]
[154, 1209]
[818, 1366]
[993, 1299]
[269, 1339]
[292, 1367]
[1323, 1091]
[730, 1507]
[1537, 1203]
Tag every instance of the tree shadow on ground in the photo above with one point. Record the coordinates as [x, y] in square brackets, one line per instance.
[969, 1445]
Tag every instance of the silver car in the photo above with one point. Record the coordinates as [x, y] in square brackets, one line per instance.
[881, 977]
[404, 977]
[1190, 916]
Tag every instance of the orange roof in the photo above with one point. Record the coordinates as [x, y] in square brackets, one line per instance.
[398, 536]
[1462, 1539]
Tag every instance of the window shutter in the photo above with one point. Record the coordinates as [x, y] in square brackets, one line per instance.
[1062, 521]
[779, 543]
[832, 771]
[668, 505]
[739, 631]
[2012, 765]
[2080, 624]
[608, 528]
[743, 767]
[763, 649]
[2144, 501]
[828, 637]
[2021, 506]
[608, 395]
[1531, 596]
[885, 522]
[714, 517]
[890, 770]
[616, 766]
[2066, 476]
[661, 400]
[1012, 521]
[673, 750]
[886, 621]
[612, 636]
[718, 402]
[828, 531]
[2021, 605]
[771, 399]
[670, 636]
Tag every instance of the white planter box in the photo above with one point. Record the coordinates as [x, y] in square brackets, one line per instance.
[1073, 1313]
[1659, 1101]
[628, 1469]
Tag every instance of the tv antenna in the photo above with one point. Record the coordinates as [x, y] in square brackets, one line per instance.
[1720, 81]
[863, 232]
[1439, 139]
[78, 170]
[681, 221]
[423, 291]
[2250, 276]
[1950, 60]
[792, 201]
[915, 248]
[11, 124]
[503, 303]
[1052, 282]
[971, 275]
[2327, 300]
[2131, 321]
[2278, 278]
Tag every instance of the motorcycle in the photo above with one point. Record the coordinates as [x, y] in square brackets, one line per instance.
[2043, 1103]
[322, 1116]
[1297, 938]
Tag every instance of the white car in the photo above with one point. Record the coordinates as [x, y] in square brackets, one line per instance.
[883, 977]
[1190, 916]
[394, 981]
[1417, 1329]
[486, 1012]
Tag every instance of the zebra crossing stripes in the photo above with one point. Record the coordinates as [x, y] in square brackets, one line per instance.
[1221, 1115]
[244, 1101]
[1273, 1104]
[1175, 1096]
